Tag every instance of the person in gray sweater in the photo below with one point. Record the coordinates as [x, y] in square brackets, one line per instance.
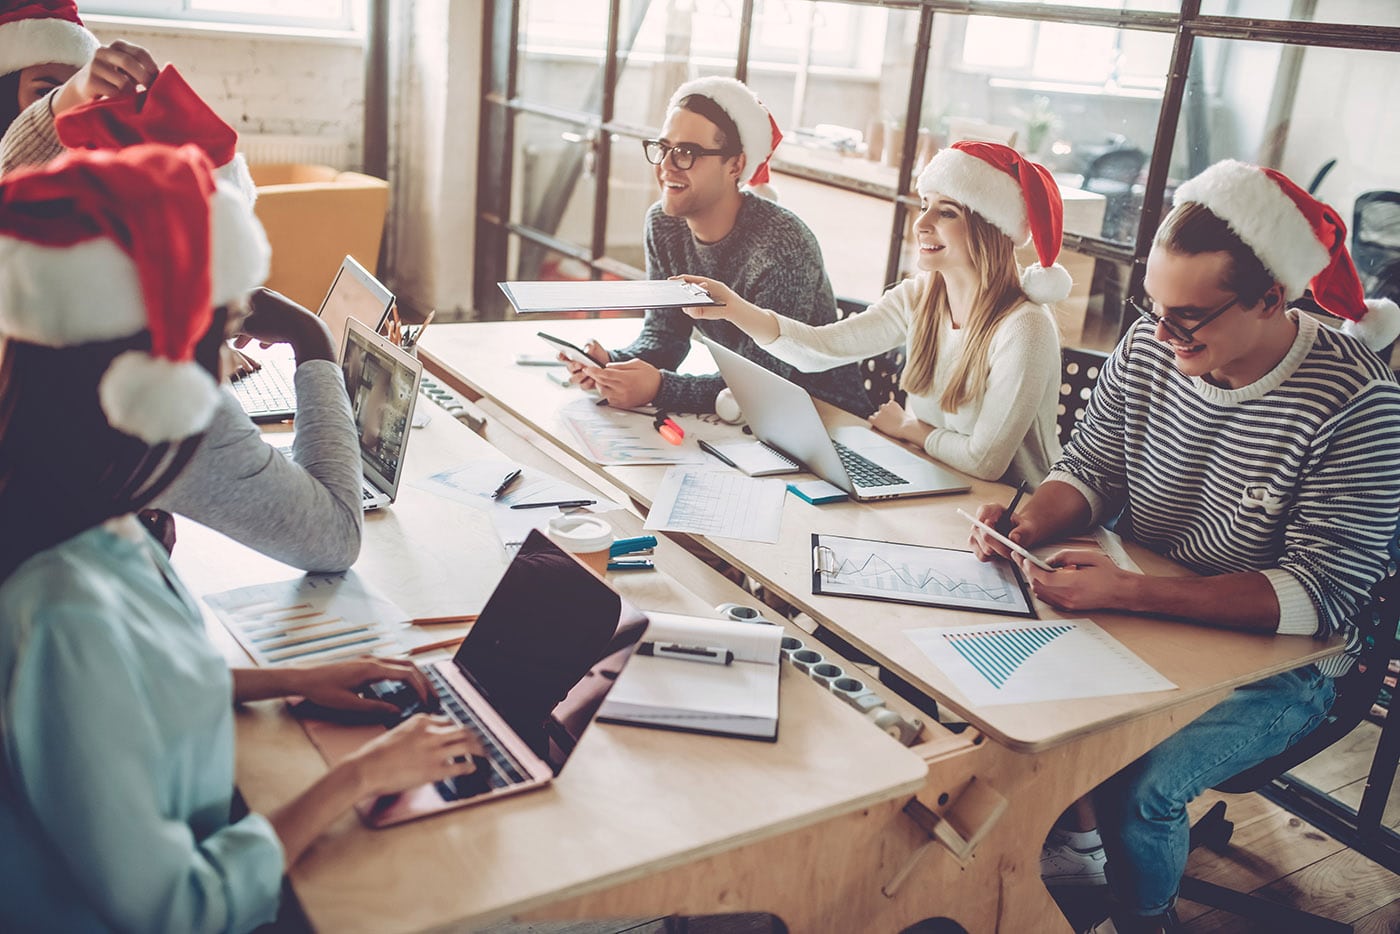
[717, 137]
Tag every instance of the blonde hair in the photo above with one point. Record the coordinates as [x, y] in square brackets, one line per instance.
[999, 293]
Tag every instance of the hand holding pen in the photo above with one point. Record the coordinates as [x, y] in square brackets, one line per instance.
[1005, 524]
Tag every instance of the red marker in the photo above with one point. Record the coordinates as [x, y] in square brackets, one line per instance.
[667, 427]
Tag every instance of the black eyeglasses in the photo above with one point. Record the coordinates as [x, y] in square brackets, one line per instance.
[1178, 331]
[683, 155]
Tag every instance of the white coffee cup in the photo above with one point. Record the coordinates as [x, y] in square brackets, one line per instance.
[587, 538]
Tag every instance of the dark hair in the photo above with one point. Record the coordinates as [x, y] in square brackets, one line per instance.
[728, 132]
[1192, 229]
[63, 468]
[9, 100]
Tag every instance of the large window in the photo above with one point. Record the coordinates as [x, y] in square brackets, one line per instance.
[1121, 99]
[320, 14]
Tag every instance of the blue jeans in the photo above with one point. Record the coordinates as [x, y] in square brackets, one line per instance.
[1142, 809]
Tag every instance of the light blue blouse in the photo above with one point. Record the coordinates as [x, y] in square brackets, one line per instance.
[116, 716]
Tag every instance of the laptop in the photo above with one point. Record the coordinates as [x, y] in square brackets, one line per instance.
[269, 394]
[864, 464]
[382, 382]
[528, 680]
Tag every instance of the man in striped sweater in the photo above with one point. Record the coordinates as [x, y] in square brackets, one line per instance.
[1256, 447]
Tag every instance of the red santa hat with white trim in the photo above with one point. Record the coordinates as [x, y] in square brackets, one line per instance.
[1299, 239]
[99, 246]
[1013, 194]
[169, 111]
[41, 31]
[758, 131]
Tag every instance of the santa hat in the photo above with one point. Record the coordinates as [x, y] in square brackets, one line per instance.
[758, 131]
[169, 111]
[43, 31]
[104, 245]
[1300, 241]
[1013, 194]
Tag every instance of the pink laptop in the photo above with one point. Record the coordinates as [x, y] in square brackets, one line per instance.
[528, 679]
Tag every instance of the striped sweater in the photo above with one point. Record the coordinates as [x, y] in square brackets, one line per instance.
[1295, 476]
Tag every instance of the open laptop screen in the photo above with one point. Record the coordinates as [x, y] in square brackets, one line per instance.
[548, 646]
[355, 293]
[381, 383]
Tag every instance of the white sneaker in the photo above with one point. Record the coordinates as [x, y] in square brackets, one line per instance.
[1062, 864]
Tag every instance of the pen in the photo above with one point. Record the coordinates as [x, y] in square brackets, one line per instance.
[511, 477]
[667, 427]
[565, 504]
[630, 564]
[709, 654]
[713, 451]
[1004, 523]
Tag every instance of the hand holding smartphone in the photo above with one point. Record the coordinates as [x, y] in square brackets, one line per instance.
[1038, 562]
[569, 350]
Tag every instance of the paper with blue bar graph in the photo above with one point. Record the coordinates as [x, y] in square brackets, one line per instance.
[1025, 662]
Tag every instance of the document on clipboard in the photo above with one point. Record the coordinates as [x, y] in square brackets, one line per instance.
[604, 295]
[736, 698]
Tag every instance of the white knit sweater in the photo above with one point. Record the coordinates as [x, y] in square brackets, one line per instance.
[1009, 434]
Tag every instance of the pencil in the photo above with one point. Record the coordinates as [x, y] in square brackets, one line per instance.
[434, 646]
[444, 620]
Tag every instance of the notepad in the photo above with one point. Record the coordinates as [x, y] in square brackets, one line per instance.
[739, 699]
[756, 458]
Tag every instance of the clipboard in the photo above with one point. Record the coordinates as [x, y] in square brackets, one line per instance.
[921, 575]
[604, 295]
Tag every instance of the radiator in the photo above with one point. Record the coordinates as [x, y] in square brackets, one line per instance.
[265, 148]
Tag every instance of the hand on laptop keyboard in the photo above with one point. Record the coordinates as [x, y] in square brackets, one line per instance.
[422, 750]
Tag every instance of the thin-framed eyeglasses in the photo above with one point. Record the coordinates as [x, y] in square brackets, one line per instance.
[683, 155]
[1173, 328]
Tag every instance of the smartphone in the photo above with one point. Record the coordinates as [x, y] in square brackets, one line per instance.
[569, 350]
[1038, 562]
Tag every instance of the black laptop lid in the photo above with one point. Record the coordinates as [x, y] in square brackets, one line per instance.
[548, 647]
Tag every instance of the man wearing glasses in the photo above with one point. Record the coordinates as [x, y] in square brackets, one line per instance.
[1253, 445]
[716, 141]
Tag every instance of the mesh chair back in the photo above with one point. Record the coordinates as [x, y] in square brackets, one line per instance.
[880, 374]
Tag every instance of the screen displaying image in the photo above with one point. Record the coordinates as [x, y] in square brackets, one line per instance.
[380, 393]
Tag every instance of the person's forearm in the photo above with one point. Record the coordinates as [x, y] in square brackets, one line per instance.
[253, 684]
[1057, 510]
[1235, 601]
[301, 820]
[759, 323]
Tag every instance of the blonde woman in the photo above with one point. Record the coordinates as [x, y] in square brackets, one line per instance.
[982, 348]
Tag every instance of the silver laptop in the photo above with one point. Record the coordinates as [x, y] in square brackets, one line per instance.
[269, 395]
[864, 464]
[382, 382]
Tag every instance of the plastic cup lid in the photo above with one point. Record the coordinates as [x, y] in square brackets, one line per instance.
[580, 534]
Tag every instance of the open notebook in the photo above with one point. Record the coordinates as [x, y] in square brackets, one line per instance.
[738, 699]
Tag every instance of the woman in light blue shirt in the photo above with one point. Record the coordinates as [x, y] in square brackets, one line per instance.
[115, 710]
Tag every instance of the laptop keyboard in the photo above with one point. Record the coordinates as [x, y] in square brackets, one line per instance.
[863, 471]
[501, 770]
[269, 391]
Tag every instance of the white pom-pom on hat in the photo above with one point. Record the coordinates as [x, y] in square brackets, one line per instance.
[157, 400]
[1013, 194]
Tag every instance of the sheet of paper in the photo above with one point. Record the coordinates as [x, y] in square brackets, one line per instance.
[315, 618]
[473, 484]
[603, 295]
[716, 501]
[750, 642]
[615, 437]
[1018, 663]
[856, 567]
[1100, 540]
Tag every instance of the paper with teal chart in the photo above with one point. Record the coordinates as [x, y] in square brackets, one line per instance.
[1019, 663]
[616, 437]
[918, 574]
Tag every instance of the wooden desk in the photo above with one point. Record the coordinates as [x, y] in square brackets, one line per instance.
[1043, 757]
[635, 815]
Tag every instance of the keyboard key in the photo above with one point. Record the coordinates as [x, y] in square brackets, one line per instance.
[865, 472]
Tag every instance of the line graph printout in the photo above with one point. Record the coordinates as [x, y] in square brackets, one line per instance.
[1018, 663]
[711, 501]
[614, 437]
[919, 574]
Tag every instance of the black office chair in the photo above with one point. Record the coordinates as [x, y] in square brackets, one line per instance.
[1079, 371]
[1356, 692]
[1375, 240]
[1113, 175]
[880, 373]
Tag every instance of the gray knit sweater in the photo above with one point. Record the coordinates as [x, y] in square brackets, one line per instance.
[32, 139]
[771, 259]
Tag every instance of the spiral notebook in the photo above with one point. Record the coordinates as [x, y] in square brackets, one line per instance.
[739, 699]
[757, 459]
